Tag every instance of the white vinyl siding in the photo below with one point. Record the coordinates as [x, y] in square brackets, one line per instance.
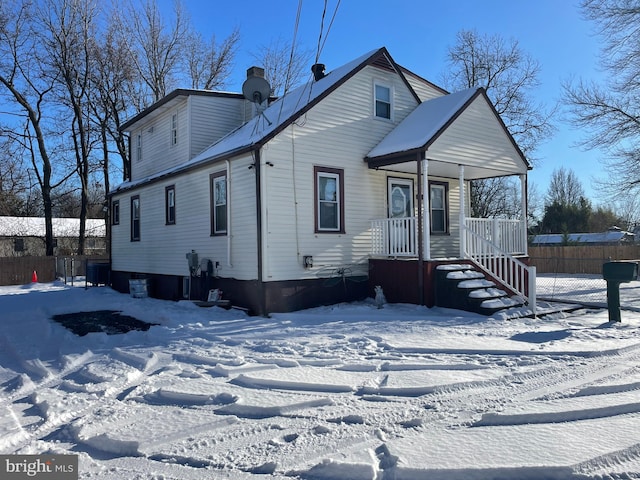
[157, 151]
[337, 133]
[476, 142]
[207, 126]
[180, 133]
[162, 248]
[423, 89]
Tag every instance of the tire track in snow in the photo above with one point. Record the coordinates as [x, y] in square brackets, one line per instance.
[93, 402]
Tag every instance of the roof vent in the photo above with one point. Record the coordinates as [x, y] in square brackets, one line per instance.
[318, 71]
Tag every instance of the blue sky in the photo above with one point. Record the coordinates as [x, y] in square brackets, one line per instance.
[417, 33]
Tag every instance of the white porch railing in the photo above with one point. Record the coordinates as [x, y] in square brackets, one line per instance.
[394, 237]
[489, 243]
[508, 235]
[513, 273]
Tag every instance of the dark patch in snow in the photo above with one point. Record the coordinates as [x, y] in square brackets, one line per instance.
[110, 322]
[541, 337]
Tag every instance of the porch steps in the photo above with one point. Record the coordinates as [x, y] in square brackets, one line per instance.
[462, 287]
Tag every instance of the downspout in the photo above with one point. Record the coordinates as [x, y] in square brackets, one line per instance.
[262, 301]
[420, 234]
[229, 217]
[462, 216]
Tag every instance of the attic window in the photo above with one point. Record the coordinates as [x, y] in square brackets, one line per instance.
[139, 147]
[174, 129]
[382, 101]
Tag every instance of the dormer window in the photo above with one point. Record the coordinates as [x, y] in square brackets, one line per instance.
[382, 101]
[174, 129]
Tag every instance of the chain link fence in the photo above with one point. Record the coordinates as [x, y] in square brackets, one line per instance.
[584, 289]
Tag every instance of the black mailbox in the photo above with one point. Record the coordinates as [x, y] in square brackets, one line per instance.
[616, 273]
[620, 271]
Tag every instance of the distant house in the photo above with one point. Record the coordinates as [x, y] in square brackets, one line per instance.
[24, 236]
[613, 236]
[358, 178]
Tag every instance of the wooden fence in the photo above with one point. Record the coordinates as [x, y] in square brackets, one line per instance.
[19, 270]
[579, 258]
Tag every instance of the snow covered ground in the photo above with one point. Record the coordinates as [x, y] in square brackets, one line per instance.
[342, 392]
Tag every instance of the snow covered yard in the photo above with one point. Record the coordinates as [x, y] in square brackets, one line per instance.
[342, 392]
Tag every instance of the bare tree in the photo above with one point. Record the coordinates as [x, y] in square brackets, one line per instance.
[564, 188]
[27, 88]
[510, 76]
[67, 32]
[209, 64]
[14, 186]
[156, 47]
[495, 197]
[610, 112]
[284, 66]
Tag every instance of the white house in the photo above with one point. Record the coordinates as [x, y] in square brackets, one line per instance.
[317, 196]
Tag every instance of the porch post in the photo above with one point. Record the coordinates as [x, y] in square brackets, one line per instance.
[524, 204]
[463, 204]
[420, 245]
[426, 217]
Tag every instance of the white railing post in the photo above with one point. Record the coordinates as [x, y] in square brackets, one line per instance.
[532, 289]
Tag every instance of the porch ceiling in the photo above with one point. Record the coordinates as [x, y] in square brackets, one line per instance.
[457, 129]
[446, 169]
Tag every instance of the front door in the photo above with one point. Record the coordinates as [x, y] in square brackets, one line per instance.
[401, 215]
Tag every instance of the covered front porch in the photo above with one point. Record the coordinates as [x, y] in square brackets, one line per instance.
[444, 145]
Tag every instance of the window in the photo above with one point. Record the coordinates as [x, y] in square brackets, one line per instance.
[115, 212]
[135, 219]
[170, 205]
[382, 101]
[139, 147]
[438, 206]
[18, 244]
[219, 203]
[174, 129]
[329, 195]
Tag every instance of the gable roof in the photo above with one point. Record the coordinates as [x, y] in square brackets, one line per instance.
[279, 115]
[425, 125]
[292, 105]
[421, 127]
[168, 101]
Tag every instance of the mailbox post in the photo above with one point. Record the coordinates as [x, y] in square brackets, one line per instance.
[616, 273]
